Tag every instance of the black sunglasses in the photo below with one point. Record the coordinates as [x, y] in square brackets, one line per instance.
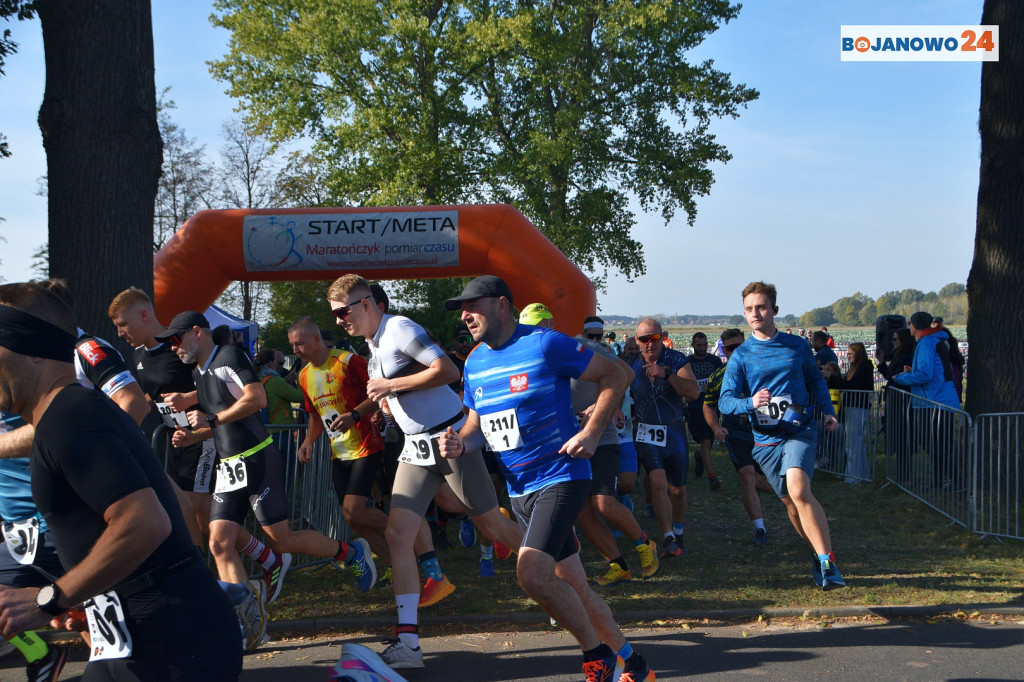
[732, 346]
[342, 312]
[594, 337]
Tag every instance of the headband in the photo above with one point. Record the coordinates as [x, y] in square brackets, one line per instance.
[29, 335]
[593, 325]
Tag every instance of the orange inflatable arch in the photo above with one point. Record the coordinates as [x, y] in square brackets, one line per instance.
[215, 248]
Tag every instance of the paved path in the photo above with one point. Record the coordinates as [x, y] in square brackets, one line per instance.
[783, 649]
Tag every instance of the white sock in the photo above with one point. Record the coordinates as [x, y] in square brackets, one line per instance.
[408, 614]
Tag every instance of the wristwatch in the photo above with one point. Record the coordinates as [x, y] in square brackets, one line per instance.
[46, 600]
[354, 414]
[211, 419]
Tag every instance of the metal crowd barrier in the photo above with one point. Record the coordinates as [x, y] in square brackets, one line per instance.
[998, 475]
[852, 450]
[928, 453]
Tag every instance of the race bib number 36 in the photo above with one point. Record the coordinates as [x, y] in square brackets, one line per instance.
[107, 629]
[421, 450]
[769, 415]
[652, 434]
[501, 429]
[231, 475]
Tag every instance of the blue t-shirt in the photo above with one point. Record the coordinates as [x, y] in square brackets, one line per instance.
[15, 483]
[782, 364]
[529, 375]
[656, 402]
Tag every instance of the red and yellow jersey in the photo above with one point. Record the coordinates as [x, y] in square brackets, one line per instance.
[333, 389]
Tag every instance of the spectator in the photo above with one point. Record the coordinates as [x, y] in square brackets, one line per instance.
[831, 342]
[616, 346]
[822, 353]
[858, 387]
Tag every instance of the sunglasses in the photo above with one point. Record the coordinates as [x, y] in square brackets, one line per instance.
[175, 339]
[732, 346]
[465, 338]
[342, 312]
[647, 338]
[594, 337]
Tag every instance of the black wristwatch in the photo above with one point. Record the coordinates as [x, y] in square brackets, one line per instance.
[354, 414]
[46, 600]
[211, 419]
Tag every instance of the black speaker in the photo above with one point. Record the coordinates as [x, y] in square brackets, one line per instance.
[885, 327]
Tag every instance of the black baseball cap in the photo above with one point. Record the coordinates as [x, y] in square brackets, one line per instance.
[182, 322]
[485, 286]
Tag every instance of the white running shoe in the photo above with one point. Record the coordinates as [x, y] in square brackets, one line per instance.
[252, 616]
[360, 663]
[400, 656]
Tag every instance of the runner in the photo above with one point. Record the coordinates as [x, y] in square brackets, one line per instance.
[702, 364]
[114, 518]
[772, 379]
[249, 466]
[410, 375]
[518, 395]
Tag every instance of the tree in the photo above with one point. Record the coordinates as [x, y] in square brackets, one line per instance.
[594, 101]
[248, 179]
[103, 148]
[560, 108]
[952, 289]
[186, 179]
[997, 276]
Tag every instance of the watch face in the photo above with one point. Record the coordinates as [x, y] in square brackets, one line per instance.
[45, 594]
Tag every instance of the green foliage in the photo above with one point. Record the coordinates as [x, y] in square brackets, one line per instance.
[950, 302]
[819, 317]
[291, 300]
[563, 109]
[21, 10]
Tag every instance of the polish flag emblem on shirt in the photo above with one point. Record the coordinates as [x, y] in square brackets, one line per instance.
[517, 383]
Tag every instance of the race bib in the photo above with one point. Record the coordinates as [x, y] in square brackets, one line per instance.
[172, 418]
[501, 429]
[702, 384]
[769, 415]
[421, 450]
[22, 539]
[231, 475]
[328, 419]
[651, 434]
[107, 629]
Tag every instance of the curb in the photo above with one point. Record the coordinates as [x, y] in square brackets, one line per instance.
[646, 617]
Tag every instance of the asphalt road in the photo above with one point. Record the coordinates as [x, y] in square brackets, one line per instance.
[787, 649]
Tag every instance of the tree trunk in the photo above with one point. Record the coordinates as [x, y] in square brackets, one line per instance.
[103, 149]
[995, 327]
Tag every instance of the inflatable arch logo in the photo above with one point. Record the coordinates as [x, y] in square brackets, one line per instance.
[215, 248]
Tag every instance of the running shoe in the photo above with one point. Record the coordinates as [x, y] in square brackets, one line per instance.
[819, 580]
[714, 483]
[384, 579]
[486, 567]
[47, 668]
[615, 575]
[604, 669]
[698, 465]
[251, 613]
[400, 656]
[637, 670]
[356, 661]
[673, 547]
[361, 564]
[650, 564]
[273, 577]
[830, 578]
[761, 537]
[435, 590]
[467, 533]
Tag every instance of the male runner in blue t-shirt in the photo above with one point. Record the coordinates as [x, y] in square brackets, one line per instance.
[518, 394]
[778, 373]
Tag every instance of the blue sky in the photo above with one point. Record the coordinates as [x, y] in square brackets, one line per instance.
[845, 176]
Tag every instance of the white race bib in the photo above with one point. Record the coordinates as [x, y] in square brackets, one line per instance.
[501, 429]
[172, 418]
[702, 384]
[769, 415]
[22, 539]
[107, 629]
[328, 419]
[652, 434]
[421, 450]
[231, 475]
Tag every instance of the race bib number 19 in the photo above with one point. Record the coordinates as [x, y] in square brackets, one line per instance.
[501, 429]
[652, 434]
[107, 629]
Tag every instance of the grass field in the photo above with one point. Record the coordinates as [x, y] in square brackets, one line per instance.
[892, 551]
